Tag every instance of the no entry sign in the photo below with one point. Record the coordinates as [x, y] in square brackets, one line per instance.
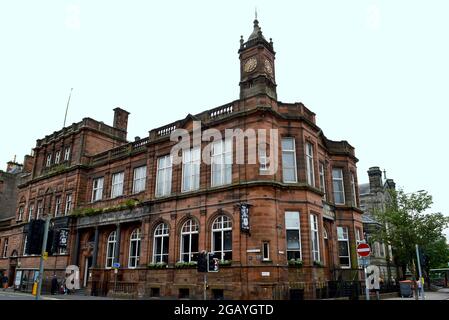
[363, 250]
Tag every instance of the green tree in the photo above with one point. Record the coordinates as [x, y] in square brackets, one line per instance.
[405, 223]
[435, 255]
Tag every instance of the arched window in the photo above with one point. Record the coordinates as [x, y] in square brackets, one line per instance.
[160, 244]
[222, 238]
[110, 249]
[134, 249]
[189, 241]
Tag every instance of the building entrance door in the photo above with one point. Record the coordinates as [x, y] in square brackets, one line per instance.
[87, 265]
[11, 276]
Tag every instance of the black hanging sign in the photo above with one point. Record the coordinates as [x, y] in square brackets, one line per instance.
[244, 217]
[63, 237]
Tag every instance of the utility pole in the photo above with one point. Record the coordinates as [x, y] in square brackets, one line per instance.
[421, 285]
[41, 264]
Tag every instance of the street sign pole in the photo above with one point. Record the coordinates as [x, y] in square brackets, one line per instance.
[366, 280]
[363, 250]
[41, 263]
[420, 274]
[115, 282]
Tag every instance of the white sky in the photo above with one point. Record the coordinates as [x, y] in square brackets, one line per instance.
[375, 72]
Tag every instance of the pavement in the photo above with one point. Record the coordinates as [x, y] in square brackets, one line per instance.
[10, 294]
[441, 294]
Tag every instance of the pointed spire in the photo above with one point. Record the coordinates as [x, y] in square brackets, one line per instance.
[257, 32]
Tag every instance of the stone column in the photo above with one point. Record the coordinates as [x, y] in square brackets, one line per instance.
[94, 258]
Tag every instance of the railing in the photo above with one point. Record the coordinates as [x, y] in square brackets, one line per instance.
[120, 151]
[140, 144]
[102, 288]
[166, 130]
[350, 289]
[125, 287]
[220, 111]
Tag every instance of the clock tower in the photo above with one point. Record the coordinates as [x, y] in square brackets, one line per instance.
[257, 74]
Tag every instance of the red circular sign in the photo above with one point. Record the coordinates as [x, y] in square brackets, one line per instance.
[363, 250]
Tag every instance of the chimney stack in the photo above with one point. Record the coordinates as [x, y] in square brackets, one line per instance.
[121, 119]
[375, 179]
[28, 163]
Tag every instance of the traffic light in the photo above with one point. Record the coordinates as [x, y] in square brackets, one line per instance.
[35, 236]
[423, 258]
[202, 262]
[212, 263]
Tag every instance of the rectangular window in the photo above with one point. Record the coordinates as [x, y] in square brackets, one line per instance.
[164, 176]
[266, 251]
[68, 204]
[191, 160]
[57, 206]
[310, 172]
[221, 162]
[289, 173]
[57, 156]
[5, 248]
[97, 189]
[40, 209]
[117, 184]
[48, 159]
[67, 154]
[30, 212]
[343, 247]
[293, 235]
[339, 189]
[263, 159]
[322, 180]
[140, 177]
[354, 193]
[315, 238]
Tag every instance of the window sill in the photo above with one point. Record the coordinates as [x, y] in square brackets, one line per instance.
[267, 261]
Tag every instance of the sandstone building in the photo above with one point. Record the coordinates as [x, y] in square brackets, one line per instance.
[129, 203]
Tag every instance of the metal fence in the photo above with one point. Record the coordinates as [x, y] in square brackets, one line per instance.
[350, 289]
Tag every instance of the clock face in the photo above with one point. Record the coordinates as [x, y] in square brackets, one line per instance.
[268, 68]
[250, 65]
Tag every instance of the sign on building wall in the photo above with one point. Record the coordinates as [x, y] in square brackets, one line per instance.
[63, 237]
[244, 218]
